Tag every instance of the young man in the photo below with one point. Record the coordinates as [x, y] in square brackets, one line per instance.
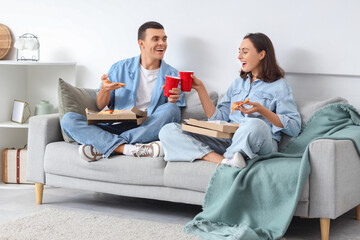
[133, 82]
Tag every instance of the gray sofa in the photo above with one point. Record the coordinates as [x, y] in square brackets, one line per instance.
[331, 190]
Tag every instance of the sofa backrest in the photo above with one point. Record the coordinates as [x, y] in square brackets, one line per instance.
[77, 99]
[194, 108]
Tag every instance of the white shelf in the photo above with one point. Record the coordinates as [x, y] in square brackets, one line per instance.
[33, 63]
[13, 125]
[14, 186]
[22, 186]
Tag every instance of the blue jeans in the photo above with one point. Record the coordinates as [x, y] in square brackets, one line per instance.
[252, 138]
[106, 138]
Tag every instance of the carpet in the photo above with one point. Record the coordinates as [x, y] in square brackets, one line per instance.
[64, 224]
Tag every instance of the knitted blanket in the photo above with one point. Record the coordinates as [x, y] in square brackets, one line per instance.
[258, 202]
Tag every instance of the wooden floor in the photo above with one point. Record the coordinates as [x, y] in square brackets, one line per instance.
[18, 201]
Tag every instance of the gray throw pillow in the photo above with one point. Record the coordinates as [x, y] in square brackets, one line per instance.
[194, 108]
[74, 99]
[306, 109]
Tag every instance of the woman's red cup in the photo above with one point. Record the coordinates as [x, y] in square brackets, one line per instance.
[170, 83]
[186, 80]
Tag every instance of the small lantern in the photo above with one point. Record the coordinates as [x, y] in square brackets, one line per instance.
[28, 48]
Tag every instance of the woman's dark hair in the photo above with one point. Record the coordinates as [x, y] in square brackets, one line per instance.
[151, 24]
[269, 69]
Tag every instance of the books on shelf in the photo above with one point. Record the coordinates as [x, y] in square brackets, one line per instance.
[133, 114]
[218, 129]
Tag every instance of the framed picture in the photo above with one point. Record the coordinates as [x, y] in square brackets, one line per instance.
[21, 112]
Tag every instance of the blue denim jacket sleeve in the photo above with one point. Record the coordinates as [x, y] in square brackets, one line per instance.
[113, 71]
[287, 112]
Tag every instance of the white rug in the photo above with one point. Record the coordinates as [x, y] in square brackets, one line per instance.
[56, 224]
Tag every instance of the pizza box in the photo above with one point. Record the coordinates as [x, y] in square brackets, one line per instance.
[133, 114]
[220, 126]
[218, 129]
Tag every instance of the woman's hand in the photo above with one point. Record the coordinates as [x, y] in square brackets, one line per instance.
[256, 107]
[197, 83]
[272, 117]
[108, 86]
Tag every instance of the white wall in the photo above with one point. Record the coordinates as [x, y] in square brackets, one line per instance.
[318, 38]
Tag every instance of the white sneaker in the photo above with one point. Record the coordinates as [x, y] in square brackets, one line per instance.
[153, 149]
[237, 161]
[89, 153]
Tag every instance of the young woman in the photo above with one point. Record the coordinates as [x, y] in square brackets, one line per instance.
[270, 112]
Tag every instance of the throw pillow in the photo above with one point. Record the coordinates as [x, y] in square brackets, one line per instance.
[74, 99]
[306, 109]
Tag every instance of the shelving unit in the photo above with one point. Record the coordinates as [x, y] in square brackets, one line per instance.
[10, 124]
[31, 82]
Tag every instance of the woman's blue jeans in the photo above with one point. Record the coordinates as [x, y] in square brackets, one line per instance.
[252, 138]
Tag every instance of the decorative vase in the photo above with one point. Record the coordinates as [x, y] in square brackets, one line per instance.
[44, 107]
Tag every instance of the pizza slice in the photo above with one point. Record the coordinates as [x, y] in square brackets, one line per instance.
[120, 84]
[106, 112]
[237, 105]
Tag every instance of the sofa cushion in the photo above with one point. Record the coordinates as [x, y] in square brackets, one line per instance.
[196, 176]
[189, 175]
[74, 99]
[194, 108]
[63, 159]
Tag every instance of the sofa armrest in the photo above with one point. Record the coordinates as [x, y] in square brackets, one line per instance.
[334, 178]
[43, 129]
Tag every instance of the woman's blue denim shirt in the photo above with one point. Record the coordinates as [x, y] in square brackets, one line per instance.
[275, 96]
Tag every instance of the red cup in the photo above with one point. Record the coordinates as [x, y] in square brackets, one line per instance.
[170, 83]
[186, 80]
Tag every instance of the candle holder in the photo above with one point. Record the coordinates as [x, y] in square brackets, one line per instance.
[28, 48]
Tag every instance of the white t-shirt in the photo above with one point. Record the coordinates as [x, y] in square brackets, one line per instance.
[147, 80]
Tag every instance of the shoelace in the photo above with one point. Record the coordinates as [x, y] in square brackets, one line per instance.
[143, 150]
[94, 152]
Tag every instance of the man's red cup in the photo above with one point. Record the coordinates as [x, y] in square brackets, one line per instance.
[170, 83]
[186, 80]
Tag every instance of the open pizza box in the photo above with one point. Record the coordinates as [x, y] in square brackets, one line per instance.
[133, 114]
[218, 129]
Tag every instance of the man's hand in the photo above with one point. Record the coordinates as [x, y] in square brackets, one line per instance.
[175, 95]
[109, 86]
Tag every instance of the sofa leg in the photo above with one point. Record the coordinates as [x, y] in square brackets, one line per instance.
[358, 212]
[39, 189]
[325, 228]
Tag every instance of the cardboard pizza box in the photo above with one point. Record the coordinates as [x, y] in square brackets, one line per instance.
[133, 114]
[218, 129]
[220, 126]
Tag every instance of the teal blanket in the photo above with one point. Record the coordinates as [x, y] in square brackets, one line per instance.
[258, 202]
